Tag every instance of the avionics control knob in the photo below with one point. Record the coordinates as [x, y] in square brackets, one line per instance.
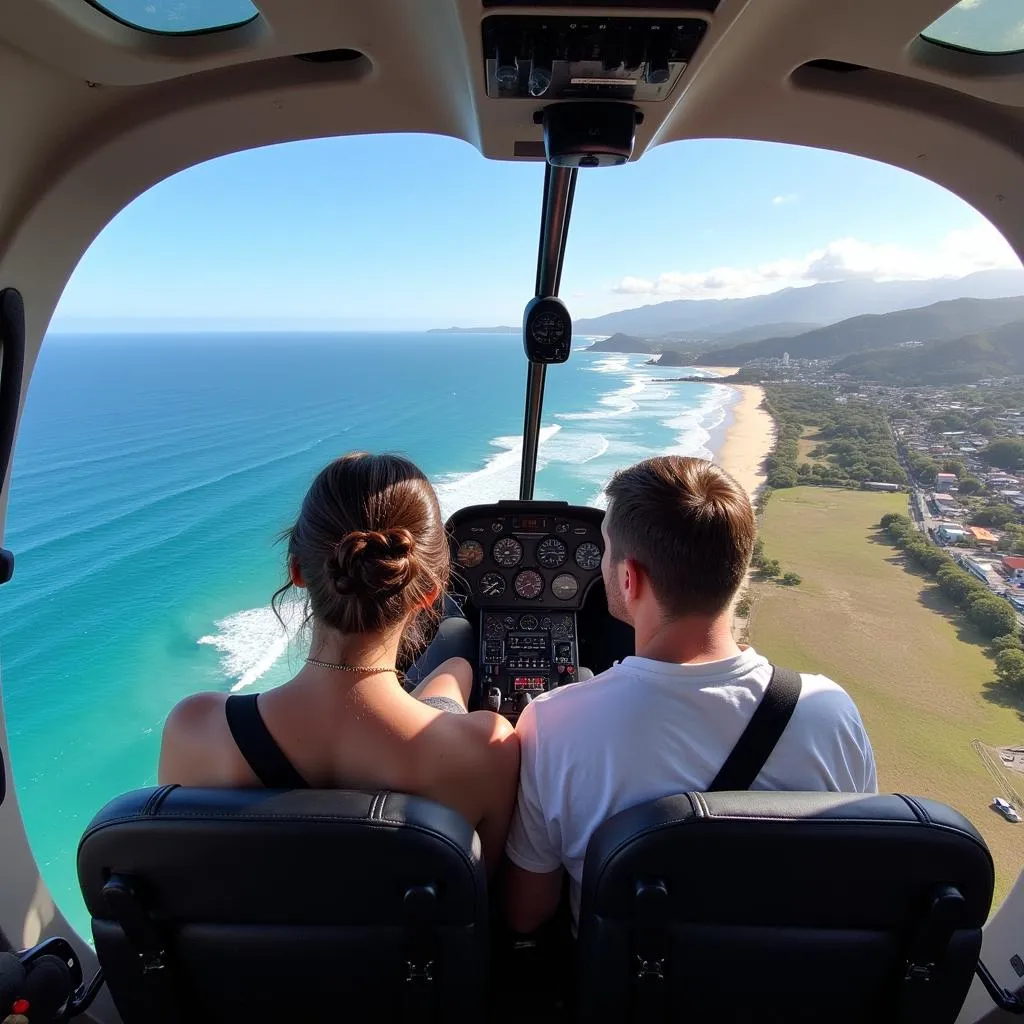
[522, 699]
[493, 701]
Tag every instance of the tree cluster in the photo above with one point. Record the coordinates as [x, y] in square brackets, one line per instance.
[771, 568]
[855, 441]
[1005, 453]
[993, 616]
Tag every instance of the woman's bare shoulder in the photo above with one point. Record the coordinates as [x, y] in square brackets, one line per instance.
[190, 738]
[490, 741]
[196, 709]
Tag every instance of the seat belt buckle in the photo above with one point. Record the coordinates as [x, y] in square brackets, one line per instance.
[650, 968]
[153, 961]
[919, 972]
[419, 972]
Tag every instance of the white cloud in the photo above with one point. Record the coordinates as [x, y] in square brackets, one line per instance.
[784, 200]
[960, 253]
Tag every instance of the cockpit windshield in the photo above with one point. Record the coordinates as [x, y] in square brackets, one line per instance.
[249, 319]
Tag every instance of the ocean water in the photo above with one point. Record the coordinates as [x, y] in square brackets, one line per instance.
[153, 474]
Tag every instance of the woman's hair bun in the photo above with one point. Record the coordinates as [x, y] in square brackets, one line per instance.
[370, 562]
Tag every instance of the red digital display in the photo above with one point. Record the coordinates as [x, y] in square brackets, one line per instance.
[528, 683]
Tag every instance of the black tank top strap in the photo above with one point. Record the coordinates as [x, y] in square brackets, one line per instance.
[257, 746]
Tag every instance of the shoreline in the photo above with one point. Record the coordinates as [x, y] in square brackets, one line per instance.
[749, 436]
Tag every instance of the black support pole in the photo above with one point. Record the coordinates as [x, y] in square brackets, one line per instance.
[559, 188]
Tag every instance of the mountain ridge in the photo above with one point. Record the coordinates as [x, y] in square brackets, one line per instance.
[940, 321]
[998, 352]
[826, 303]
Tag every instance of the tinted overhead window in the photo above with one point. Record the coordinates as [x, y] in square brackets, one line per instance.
[983, 26]
[179, 17]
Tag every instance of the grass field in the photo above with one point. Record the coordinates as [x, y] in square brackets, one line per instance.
[924, 685]
[806, 444]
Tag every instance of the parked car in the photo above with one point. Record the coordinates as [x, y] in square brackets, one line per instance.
[1005, 808]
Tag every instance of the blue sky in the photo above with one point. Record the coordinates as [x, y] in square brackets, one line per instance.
[409, 232]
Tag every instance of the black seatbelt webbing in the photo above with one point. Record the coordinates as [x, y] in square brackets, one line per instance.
[763, 732]
[257, 746]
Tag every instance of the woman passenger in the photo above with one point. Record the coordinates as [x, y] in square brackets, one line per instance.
[371, 552]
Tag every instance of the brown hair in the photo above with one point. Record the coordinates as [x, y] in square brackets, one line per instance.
[370, 545]
[689, 524]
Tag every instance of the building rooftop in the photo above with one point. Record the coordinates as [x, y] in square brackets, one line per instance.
[979, 533]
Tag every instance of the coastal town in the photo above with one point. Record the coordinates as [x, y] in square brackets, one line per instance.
[961, 451]
[900, 508]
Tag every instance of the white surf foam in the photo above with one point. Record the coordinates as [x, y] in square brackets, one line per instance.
[617, 403]
[251, 642]
[643, 397]
[499, 478]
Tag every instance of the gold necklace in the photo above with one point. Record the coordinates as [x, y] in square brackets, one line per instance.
[342, 667]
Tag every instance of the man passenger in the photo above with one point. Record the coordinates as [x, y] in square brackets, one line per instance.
[678, 536]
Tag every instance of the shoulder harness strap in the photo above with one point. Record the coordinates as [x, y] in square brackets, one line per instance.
[763, 732]
[257, 746]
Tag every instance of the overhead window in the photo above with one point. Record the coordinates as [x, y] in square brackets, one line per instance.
[179, 17]
[982, 26]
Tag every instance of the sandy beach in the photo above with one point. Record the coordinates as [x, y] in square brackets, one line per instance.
[750, 436]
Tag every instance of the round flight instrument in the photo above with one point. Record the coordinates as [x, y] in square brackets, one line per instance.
[507, 552]
[470, 554]
[565, 586]
[528, 584]
[547, 330]
[588, 556]
[528, 622]
[492, 584]
[551, 553]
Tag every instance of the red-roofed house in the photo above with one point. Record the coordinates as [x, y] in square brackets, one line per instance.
[1014, 566]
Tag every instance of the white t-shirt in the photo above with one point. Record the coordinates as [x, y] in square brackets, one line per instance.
[646, 729]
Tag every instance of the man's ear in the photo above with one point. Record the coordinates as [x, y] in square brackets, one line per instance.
[294, 572]
[634, 579]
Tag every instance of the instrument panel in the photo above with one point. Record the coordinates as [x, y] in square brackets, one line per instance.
[535, 553]
[527, 568]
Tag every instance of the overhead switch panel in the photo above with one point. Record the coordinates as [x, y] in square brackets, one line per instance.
[562, 58]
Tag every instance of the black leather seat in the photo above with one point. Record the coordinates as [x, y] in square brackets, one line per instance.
[286, 906]
[761, 907]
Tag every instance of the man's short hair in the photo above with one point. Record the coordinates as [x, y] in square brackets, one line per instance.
[688, 524]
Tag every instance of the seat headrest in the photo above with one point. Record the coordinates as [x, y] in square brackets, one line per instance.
[254, 848]
[766, 843]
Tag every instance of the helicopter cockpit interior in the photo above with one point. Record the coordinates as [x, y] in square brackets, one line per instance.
[734, 906]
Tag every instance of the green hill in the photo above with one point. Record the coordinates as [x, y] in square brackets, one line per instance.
[943, 321]
[995, 353]
[627, 343]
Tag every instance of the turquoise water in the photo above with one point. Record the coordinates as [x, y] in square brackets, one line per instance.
[153, 473]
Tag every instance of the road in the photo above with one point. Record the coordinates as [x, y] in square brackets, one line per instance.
[927, 523]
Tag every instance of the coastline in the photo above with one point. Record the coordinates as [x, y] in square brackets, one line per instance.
[749, 436]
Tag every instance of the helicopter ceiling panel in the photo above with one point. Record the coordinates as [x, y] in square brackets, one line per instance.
[538, 555]
[587, 57]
